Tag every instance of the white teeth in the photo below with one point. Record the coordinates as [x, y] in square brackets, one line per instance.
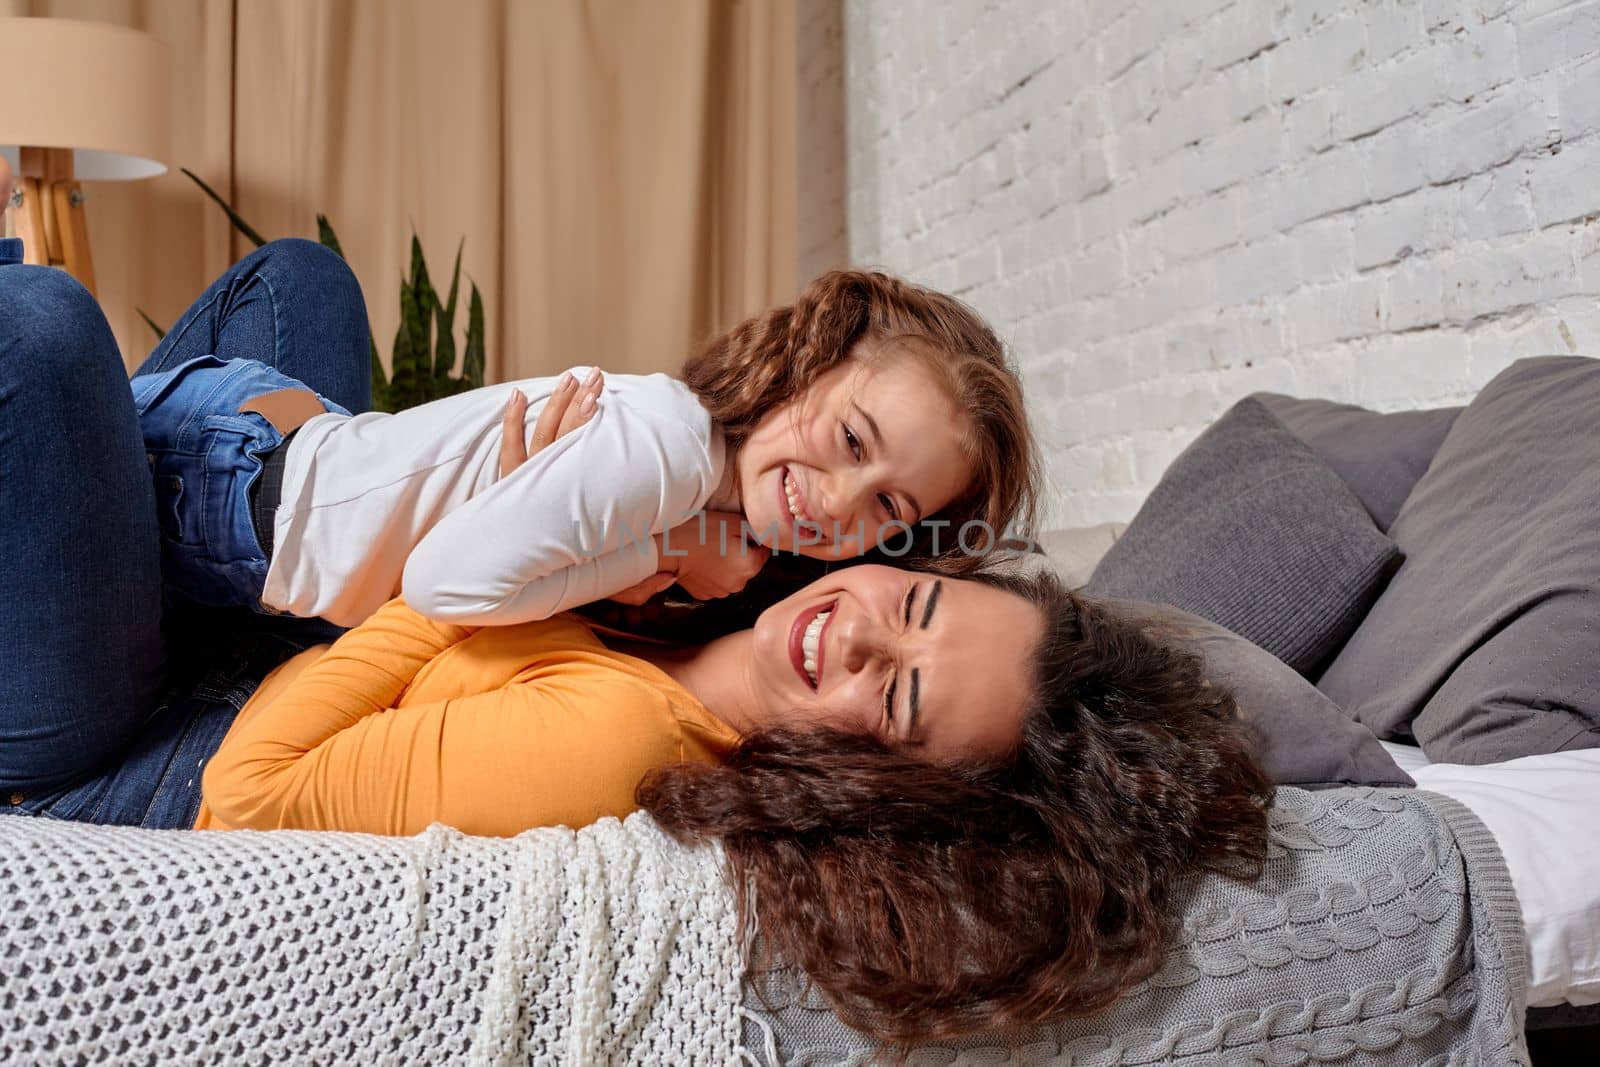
[809, 643]
[792, 491]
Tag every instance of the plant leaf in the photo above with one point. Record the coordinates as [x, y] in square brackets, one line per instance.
[233, 216]
[413, 365]
[455, 283]
[380, 381]
[444, 347]
[148, 321]
[402, 379]
[472, 358]
[418, 319]
[421, 364]
[418, 266]
[329, 239]
[444, 359]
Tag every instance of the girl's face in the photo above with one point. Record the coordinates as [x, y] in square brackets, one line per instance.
[872, 443]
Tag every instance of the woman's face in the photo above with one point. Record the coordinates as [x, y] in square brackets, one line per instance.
[872, 442]
[937, 666]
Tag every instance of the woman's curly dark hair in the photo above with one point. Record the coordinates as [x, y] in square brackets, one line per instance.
[928, 902]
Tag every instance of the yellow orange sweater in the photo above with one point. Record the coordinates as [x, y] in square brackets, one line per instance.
[405, 722]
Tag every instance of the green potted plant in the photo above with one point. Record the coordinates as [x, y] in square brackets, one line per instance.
[423, 360]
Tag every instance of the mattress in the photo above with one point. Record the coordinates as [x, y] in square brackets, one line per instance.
[1544, 812]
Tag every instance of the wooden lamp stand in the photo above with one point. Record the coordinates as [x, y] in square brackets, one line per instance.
[50, 218]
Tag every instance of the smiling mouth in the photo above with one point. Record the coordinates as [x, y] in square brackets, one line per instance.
[805, 642]
[792, 500]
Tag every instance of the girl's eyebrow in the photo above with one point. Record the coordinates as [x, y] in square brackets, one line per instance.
[877, 442]
[872, 423]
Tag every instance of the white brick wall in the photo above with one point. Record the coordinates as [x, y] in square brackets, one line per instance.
[1164, 205]
[821, 240]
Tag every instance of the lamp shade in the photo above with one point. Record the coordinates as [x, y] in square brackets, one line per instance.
[101, 90]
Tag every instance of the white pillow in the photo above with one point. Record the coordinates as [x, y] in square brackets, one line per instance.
[1542, 811]
[1407, 757]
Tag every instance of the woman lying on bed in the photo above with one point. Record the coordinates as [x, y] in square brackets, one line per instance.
[973, 810]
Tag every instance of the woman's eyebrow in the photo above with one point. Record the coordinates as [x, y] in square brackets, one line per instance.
[916, 672]
[933, 598]
[916, 704]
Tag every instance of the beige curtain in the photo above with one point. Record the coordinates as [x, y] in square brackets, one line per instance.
[622, 171]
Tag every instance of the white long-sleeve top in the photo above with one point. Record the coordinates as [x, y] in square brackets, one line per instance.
[379, 504]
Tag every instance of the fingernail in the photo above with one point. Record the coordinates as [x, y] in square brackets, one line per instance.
[594, 376]
[588, 404]
[566, 380]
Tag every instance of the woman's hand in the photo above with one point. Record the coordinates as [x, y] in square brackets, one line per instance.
[569, 407]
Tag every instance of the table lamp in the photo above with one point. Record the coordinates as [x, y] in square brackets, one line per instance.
[83, 101]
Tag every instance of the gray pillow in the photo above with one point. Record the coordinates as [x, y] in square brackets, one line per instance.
[1302, 737]
[1250, 529]
[1379, 456]
[1486, 646]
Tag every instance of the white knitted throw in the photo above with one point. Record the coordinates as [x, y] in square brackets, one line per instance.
[610, 945]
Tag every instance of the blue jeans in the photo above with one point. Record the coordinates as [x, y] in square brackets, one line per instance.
[205, 454]
[109, 705]
[288, 315]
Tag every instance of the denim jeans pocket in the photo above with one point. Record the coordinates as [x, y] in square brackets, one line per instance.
[202, 489]
[170, 505]
[233, 447]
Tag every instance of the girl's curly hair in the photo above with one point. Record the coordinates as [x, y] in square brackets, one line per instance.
[767, 361]
[929, 902]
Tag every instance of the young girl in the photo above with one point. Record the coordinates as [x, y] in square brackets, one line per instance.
[826, 428]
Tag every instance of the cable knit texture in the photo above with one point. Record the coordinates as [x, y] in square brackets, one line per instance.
[610, 945]
[1384, 932]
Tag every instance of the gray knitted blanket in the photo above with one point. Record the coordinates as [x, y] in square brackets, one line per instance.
[1384, 932]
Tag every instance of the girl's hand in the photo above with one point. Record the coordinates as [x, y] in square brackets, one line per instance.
[569, 407]
[712, 559]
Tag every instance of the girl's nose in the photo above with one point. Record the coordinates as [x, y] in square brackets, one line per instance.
[837, 497]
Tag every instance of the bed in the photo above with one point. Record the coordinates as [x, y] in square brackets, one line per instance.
[1541, 811]
[1395, 924]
